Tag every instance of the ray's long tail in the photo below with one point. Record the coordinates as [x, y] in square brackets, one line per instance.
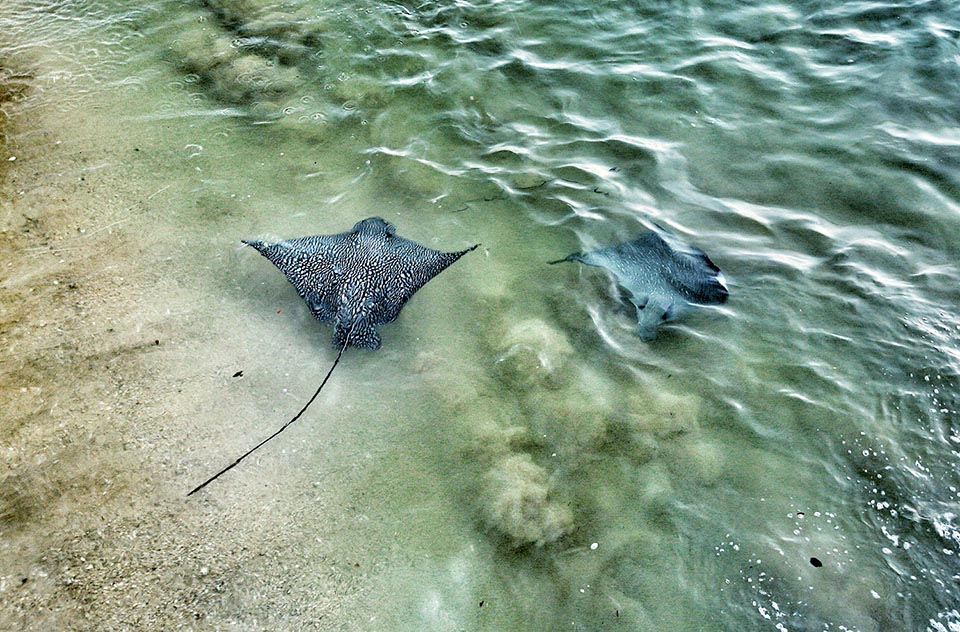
[283, 427]
[577, 256]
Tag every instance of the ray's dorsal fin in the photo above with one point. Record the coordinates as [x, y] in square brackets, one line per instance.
[690, 270]
[282, 428]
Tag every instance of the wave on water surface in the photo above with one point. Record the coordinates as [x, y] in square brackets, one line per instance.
[786, 460]
[791, 143]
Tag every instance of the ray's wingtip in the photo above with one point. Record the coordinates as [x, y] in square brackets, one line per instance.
[257, 244]
[723, 291]
[723, 295]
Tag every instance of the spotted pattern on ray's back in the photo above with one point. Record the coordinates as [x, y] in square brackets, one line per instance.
[359, 279]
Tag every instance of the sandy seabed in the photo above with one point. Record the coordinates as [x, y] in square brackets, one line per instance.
[118, 396]
[142, 348]
[497, 465]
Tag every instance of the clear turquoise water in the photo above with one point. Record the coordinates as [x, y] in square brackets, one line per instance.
[535, 465]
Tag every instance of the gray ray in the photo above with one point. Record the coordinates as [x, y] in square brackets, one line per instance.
[664, 276]
[359, 279]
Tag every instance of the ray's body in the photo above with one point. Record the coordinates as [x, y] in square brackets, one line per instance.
[664, 276]
[359, 279]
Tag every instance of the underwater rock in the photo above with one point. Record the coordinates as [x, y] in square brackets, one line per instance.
[534, 354]
[655, 487]
[492, 441]
[700, 458]
[662, 413]
[249, 78]
[261, 18]
[249, 53]
[575, 418]
[200, 50]
[14, 86]
[621, 438]
[517, 503]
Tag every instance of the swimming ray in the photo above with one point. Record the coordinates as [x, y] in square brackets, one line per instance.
[359, 279]
[664, 276]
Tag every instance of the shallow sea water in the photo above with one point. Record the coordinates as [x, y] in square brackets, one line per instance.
[514, 457]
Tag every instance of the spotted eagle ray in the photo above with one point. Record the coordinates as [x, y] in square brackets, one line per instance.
[663, 276]
[359, 279]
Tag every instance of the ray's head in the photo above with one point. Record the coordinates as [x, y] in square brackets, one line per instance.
[655, 310]
[374, 226]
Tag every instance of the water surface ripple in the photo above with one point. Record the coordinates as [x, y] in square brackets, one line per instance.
[786, 461]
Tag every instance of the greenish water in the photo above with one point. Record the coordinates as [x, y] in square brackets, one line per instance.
[515, 457]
